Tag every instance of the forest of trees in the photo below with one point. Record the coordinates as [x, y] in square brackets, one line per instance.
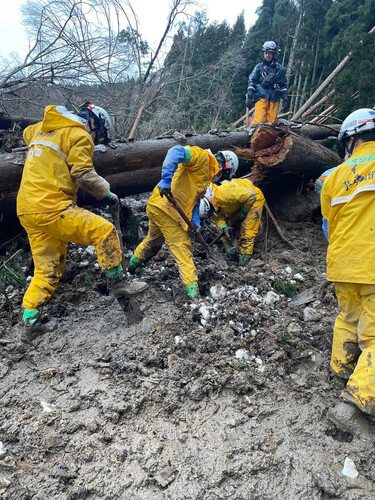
[79, 51]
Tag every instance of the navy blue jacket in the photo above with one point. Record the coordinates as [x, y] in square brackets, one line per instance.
[268, 81]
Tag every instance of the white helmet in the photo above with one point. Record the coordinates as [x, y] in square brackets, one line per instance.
[228, 162]
[356, 123]
[269, 46]
[102, 121]
[205, 208]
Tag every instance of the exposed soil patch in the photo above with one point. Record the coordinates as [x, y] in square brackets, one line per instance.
[222, 398]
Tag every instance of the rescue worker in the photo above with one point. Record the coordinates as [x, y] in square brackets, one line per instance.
[348, 205]
[318, 189]
[267, 85]
[59, 161]
[186, 173]
[235, 203]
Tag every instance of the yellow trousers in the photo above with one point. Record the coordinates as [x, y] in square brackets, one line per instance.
[354, 343]
[49, 235]
[250, 226]
[265, 111]
[163, 228]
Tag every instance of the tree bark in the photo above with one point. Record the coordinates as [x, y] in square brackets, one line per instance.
[278, 147]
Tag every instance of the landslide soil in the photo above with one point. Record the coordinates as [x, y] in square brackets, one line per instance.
[221, 398]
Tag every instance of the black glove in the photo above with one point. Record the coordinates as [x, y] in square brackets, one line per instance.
[164, 190]
[249, 101]
[285, 105]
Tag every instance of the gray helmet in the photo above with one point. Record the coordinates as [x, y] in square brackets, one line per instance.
[101, 119]
[269, 46]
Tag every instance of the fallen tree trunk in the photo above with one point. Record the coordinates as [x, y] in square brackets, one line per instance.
[277, 147]
[144, 156]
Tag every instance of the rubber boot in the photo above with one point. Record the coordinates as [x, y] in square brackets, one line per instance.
[120, 287]
[32, 325]
[134, 263]
[192, 290]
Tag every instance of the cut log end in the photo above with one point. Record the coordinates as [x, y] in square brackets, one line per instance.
[271, 144]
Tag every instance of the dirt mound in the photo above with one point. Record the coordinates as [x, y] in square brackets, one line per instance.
[226, 397]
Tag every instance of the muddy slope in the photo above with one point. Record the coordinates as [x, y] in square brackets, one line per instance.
[223, 398]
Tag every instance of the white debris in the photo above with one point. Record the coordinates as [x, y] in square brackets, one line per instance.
[253, 333]
[47, 407]
[242, 354]
[90, 249]
[288, 270]
[293, 328]
[258, 361]
[193, 306]
[299, 277]
[270, 298]
[204, 312]
[2, 449]
[28, 278]
[218, 291]
[293, 282]
[177, 340]
[310, 314]
[349, 469]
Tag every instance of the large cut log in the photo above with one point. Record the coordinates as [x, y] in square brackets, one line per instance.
[277, 147]
[144, 156]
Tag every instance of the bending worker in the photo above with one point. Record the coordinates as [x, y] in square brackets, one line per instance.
[267, 85]
[237, 203]
[59, 161]
[348, 205]
[186, 174]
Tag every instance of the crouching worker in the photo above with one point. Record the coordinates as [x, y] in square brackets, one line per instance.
[235, 204]
[186, 174]
[59, 161]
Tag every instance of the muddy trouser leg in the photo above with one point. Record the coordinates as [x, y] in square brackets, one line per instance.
[179, 244]
[345, 348]
[260, 113]
[153, 241]
[361, 384]
[49, 235]
[272, 111]
[250, 226]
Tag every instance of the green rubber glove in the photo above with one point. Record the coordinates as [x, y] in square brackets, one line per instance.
[192, 290]
[244, 258]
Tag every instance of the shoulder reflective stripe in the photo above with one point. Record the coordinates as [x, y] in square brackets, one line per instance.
[360, 160]
[68, 114]
[345, 199]
[49, 145]
[235, 183]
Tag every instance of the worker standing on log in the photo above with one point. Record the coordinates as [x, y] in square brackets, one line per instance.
[235, 206]
[267, 85]
[59, 161]
[348, 205]
[186, 174]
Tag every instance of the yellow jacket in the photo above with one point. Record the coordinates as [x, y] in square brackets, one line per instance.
[189, 183]
[59, 161]
[230, 197]
[348, 204]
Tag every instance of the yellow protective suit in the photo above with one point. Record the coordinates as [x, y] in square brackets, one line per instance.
[59, 161]
[348, 204]
[189, 183]
[265, 111]
[228, 199]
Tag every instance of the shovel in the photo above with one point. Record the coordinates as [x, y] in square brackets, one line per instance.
[211, 252]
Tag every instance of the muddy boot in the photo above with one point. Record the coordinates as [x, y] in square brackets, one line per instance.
[125, 289]
[120, 287]
[32, 325]
[134, 263]
[348, 418]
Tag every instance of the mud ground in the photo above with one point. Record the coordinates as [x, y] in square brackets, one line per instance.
[222, 398]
